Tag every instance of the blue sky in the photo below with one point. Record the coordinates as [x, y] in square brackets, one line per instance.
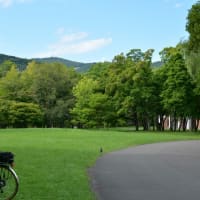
[90, 30]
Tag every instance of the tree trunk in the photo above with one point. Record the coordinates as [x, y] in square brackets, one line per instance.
[180, 124]
[145, 123]
[135, 117]
[171, 123]
[193, 124]
[197, 125]
[184, 124]
[153, 123]
[163, 119]
[175, 122]
[158, 123]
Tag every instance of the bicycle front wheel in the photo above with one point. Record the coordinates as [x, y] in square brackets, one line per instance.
[8, 183]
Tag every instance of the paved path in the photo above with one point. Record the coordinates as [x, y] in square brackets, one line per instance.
[163, 171]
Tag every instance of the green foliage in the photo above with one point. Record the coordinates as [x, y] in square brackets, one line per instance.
[10, 84]
[47, 85]
[193, 27]
[50, 85]
[129, 85]
[4, 113]
[25, 115]
[137, 55]
[168, 52]
[5, 67]
[98, 71]
[20, 63]
[91, 106]
[20, 114]
[78, 66]
[177, 95]
[123, 92]
[193, 63]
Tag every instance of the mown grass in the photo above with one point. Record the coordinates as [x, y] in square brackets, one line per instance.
[52, 163]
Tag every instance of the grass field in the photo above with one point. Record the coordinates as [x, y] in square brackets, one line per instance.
[52, 163]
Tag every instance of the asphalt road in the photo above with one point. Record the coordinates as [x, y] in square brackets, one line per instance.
[162, 171]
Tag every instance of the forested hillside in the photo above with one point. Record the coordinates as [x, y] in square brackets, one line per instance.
[22, 63]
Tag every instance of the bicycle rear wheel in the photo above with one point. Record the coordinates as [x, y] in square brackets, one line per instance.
[8, 182]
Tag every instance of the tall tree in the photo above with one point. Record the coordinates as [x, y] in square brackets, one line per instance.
[193, 63]
[160, 114]
[50, 85]
[5, 67]
[129, 84]
[177, 94]
[193, 27]
[142, 93]
[91, 108]
[10, 85]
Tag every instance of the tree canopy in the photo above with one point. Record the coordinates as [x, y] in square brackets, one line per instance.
[193, 27]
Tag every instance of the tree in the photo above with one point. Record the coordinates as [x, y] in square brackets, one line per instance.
[22, 115]
[5, 67]
[168, 52]
[98, 70]
[193, 27]
[159, 78]
[137, 55]
[10, 85]
[196, 104]
[129, 86]
[193, 63]
[142, 93]
[50, 85]
[117, 87]
[19, 114]
[91, 108]
[177, 96]
[4, 113]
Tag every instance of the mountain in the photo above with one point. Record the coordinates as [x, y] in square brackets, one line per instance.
[22, 62]
[157, 64]
[79, 66]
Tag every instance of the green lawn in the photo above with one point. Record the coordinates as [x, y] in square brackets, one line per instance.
[52, 163]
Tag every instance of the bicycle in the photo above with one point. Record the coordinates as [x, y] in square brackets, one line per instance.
[9, 181]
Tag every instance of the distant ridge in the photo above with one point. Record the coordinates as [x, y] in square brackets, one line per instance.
[23, 62]
[20, 62]
[79, 66]
[157, 64]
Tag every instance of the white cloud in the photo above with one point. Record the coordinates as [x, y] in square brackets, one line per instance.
[175, 3]
[73, 37]
[7, 3]
[178, 5]
[75, 43]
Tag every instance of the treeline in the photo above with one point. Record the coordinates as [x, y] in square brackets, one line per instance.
[39, 96]
[124, 92]
[129, 92]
